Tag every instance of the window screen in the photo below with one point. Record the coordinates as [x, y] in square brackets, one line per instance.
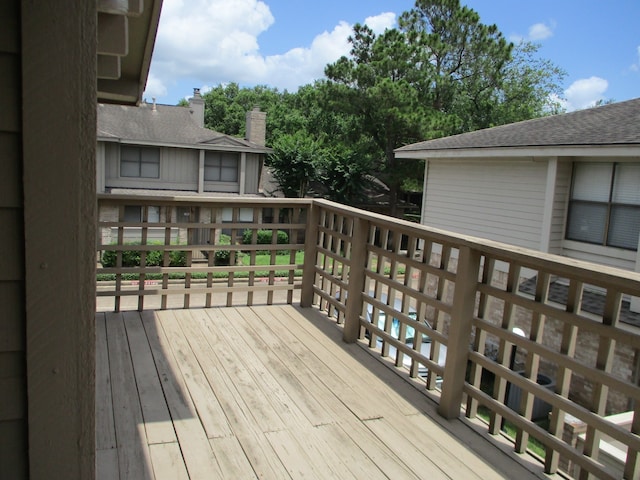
[142, 162]
[221, 167]
[604, 208]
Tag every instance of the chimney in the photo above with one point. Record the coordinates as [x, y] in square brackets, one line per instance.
[256, 126]
[196, 107]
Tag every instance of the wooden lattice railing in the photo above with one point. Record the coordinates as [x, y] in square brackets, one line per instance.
[194, 250]
[383, 278]
[444, 308]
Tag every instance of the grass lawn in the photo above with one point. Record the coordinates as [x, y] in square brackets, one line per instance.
[264, 260]
[243, 259]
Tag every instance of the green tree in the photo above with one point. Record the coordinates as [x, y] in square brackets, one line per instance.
[380, 85]
[467, 59]
[294, 163]
[441, 72]
[344, 174]
[532, 87]
[226, 107]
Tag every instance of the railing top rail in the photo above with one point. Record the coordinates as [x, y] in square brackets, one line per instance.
[200, 200]
[558, 265]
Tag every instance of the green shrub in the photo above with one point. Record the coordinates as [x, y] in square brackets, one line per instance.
[131, 258]
[263, 237]
[154, 258]
[109, 258]
[177, 258]
[222, 257]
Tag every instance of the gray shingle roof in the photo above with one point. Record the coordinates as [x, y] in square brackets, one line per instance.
[614, 124]
[164, 125]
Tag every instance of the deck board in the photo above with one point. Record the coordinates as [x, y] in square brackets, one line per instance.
[105, 429]
[204, 400]
[351, 387]
[133, 447]
[232, 459]
[259, 452]
[268, 392]
[157, 420]
[198, 457]
[271, 350]
[167, 461]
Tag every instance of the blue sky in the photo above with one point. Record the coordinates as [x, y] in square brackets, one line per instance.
[285, 43]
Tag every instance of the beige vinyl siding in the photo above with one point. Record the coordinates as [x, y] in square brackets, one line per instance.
[499, 200]
[178, 170]
[613, 257]
[13, 380]
[561, 197]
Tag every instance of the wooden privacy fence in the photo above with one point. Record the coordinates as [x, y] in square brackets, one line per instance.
[481, 323]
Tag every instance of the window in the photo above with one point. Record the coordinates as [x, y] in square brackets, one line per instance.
[141, 162]
[604, 208]
[220, 167]
[133, 213]
[245, 215]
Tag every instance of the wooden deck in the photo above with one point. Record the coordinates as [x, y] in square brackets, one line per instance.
[268, 392]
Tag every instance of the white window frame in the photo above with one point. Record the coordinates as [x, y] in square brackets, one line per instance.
[609, 193]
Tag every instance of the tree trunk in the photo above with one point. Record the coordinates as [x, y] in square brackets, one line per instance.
[394, 181]
[393, 199]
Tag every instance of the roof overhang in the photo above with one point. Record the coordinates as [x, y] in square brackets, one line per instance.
[525, 152]
[126, 36]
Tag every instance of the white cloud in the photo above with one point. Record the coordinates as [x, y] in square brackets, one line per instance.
[539, 31]
[381, 22]
[635, 67]
[217, 41]
[584, 93]
[155, 88]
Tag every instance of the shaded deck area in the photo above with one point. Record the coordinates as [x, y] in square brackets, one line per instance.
[269, 392]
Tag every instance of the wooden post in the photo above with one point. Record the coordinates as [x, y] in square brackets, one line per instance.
[59, 176]
[464, 299]
[310, 253]
[356, 280]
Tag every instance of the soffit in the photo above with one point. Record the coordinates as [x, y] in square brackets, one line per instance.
[126, 36]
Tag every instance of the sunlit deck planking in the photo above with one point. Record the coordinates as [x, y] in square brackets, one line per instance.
[266, 392]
